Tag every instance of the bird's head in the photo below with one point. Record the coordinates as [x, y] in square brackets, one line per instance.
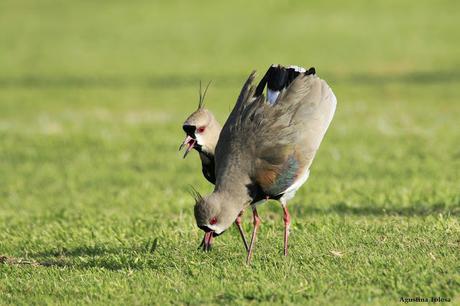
[202, 129]
[202, 132]
[213, 215]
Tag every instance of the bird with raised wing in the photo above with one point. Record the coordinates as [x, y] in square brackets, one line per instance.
[266, 148]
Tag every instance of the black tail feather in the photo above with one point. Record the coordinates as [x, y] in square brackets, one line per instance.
[279, 77]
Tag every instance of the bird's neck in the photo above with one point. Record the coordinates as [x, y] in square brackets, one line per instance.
[231, 204]
[236, 191]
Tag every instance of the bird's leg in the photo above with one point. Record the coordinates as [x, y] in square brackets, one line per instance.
[256, 222]
[287, 223]
[240, 229]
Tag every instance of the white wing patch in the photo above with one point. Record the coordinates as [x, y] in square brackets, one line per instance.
[297, 68]
[272, 95]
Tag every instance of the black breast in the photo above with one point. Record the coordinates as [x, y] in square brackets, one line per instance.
[208, 167]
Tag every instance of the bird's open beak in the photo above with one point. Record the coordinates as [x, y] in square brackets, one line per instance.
[188, 143]
[206, 243]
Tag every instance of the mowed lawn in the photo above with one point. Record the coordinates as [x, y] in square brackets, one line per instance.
[94, 202]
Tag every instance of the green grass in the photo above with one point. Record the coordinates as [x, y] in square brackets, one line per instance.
[94, 207]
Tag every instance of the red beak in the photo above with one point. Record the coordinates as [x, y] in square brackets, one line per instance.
[189, 143]
[206, 243]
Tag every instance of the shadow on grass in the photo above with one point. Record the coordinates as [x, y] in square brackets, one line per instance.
[342, 208]
[98, 256]
[145, 255]
[177, 80]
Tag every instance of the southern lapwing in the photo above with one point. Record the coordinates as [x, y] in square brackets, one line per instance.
[266, 148]
[202, 132]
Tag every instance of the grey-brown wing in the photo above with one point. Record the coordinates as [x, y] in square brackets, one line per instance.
[298, 123]
[279, 140]
[229, 149]
[285, 137]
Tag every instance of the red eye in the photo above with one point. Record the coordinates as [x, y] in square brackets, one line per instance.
[200, 129]
[213, 221]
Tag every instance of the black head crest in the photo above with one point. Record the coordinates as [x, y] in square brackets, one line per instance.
[203, 95]
[196, 195]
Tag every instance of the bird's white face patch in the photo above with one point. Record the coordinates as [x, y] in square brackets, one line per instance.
[216, 228]
[199, 139]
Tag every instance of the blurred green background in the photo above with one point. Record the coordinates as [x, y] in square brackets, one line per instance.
[93, 193]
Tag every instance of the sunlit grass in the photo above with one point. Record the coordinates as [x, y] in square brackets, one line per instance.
[94, 203]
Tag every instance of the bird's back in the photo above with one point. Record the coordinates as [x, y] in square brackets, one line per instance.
[271, 144]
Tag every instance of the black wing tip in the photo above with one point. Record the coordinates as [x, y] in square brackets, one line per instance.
[279, 77]
[310, 71]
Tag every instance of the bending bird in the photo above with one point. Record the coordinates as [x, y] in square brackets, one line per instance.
[266, 148]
